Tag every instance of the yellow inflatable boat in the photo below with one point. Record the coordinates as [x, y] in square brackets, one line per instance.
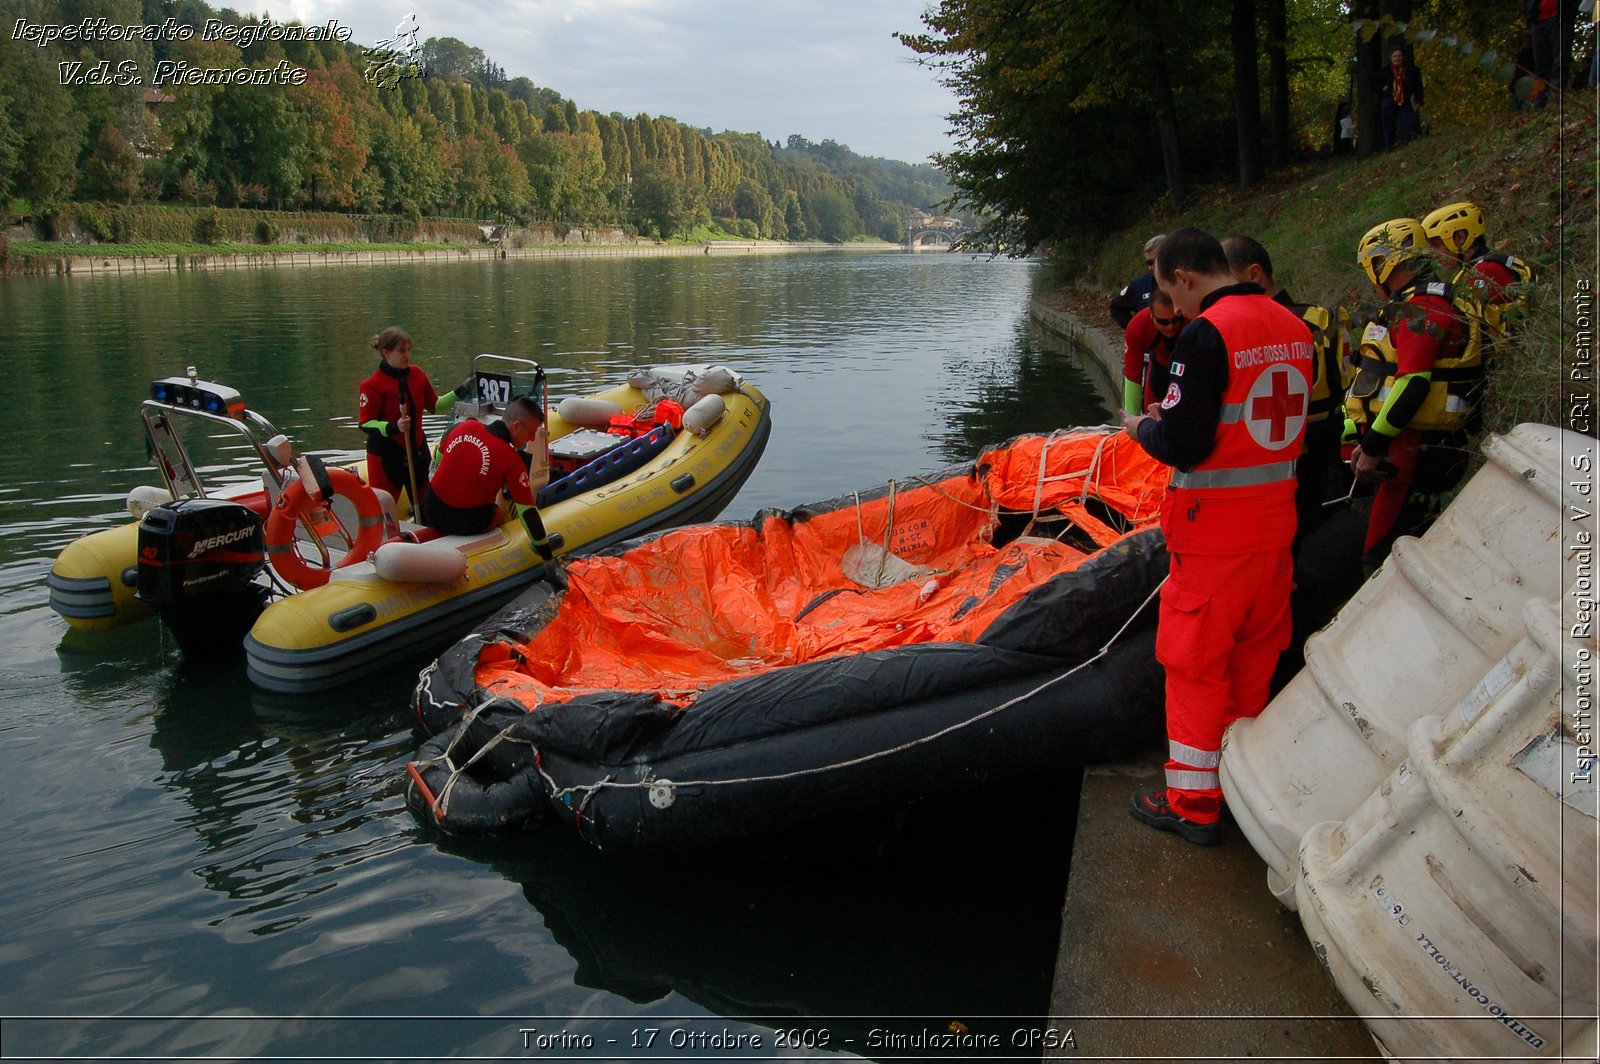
[321, 578]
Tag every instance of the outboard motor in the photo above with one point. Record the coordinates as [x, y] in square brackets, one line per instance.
[198, 560]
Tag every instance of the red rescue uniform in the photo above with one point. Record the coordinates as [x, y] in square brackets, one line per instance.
[475, 463]
[1428, 461]
[383, 397]
[1232, 423]
[1146, 354]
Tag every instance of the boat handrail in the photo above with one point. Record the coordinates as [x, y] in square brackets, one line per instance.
[174, 463]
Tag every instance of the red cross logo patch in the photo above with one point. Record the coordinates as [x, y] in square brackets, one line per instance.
[1275, 408]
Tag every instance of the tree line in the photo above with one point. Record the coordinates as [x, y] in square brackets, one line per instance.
[1077, 115]
[447, 136]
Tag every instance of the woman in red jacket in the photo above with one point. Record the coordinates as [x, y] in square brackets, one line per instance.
[392, 402]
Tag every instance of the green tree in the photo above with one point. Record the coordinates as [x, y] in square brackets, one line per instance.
[836, 219]
[447, 59]
[1246, 91]
[45, 130]
[112, 172]
[661, 204]
[1054, 139]
[336, 147]
[545, 159]
[753, 202]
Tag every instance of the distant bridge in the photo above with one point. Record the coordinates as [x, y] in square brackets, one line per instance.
[935, 237]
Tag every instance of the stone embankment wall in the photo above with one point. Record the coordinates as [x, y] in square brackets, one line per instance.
[89, 264]
[1102, 354]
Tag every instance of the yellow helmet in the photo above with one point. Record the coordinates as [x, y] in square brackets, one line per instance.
[1393, 243]
[1456, 225]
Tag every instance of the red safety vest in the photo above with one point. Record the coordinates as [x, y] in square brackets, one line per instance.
[1240, 498]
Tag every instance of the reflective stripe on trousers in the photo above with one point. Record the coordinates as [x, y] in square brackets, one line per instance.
[1200, 773]
[1224, 620]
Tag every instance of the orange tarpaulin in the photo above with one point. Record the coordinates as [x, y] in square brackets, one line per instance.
[700, 606]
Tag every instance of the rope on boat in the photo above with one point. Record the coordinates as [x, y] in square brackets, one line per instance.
[1089, 474]
[888, 532]
[441, 803]
[588, 791]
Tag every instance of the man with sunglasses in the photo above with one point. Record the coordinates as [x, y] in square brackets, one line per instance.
[1147, 351]
[1135, 295]
[1230, 425]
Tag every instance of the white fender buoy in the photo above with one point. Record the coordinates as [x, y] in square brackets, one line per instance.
[419, 563]
[308, 479]
[706, 412]
[718, 380]
[587, 413]
[146, 497]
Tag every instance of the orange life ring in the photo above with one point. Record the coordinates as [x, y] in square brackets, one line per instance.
[294, 502]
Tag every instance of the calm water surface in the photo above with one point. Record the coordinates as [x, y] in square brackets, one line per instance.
[195, 868]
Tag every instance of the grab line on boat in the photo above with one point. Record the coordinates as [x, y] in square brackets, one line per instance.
[441, 804]
[561, 794]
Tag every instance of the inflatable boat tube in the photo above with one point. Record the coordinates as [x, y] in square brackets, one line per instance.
[473, 783]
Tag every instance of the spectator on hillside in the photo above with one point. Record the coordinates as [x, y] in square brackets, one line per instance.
[1591, 11]
[1524, 88]
[1135, 295]
[1400, 100]
[1344, 129]
[1551, 23]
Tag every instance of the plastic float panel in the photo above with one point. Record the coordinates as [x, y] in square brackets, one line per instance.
[1456, 907]
[1417, 639]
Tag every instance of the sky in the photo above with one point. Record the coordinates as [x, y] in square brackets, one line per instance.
[825, 69]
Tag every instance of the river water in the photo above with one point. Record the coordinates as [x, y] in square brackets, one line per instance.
[195, 868]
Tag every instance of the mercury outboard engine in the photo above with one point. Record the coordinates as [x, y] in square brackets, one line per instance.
[198, 560]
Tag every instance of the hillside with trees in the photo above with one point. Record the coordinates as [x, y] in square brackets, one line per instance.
[1076, 116]
[445, 135]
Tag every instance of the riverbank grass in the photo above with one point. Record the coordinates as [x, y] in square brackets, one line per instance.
[1532, 174]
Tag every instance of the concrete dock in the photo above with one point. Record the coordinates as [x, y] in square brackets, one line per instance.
[1173, 951]
[1168, 950]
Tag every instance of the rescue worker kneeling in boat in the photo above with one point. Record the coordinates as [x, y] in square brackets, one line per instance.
[477, 461]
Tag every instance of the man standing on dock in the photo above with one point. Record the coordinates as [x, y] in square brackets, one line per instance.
[1230, 425]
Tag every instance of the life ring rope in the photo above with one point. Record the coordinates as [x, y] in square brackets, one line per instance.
[296, 502]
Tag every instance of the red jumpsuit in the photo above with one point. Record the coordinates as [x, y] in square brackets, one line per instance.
[474, 464]
[1427, 462]
[1237, 398]
[382, 397]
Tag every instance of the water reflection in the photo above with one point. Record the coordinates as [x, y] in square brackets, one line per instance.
[1042, 386]
[893, 928]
